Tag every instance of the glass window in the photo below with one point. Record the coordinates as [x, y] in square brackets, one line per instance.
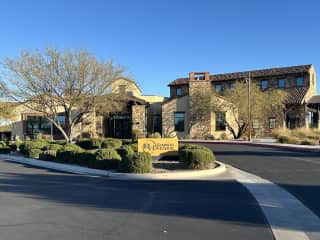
[264, 84]
[178, 91]
[299, 81]
[220, 121]
[179, 121]
[272, 123]
[199, 76]
[231, 86]
[281, 83]
[255, 124]
[218, 87]
[36, 124]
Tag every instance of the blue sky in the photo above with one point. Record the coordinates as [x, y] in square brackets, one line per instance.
[160, 40]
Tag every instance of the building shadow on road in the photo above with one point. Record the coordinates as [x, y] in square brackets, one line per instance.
[221, 200]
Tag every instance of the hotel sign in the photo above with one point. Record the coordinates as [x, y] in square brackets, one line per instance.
[158, 146]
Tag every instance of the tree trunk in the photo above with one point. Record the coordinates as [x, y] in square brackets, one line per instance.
[66, 137]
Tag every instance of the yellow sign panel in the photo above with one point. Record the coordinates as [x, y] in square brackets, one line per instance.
[158, 146]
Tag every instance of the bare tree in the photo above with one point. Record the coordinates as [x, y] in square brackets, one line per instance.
[52, 82]
[264, 104]
[7, 114]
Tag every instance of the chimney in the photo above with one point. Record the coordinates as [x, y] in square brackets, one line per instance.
[196, 76]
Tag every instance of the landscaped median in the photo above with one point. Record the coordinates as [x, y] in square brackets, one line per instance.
[110, 158]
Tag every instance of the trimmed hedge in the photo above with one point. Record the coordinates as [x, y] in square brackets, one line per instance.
[125, 151]
[106, 158]
[69, 153]
[193, 146]
[48, 155]
[134, 147]
[86, 158]
[34, 153]
[84, 143]
[137, 163]
[3, 144]
[26, 146]
[197, 158]
[53, 146]
[111, 143]
[14, 145]
[5, 150]
[60, 142]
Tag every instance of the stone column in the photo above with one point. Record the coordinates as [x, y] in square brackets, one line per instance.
[318, 117]
[139, 119]
[306, 116]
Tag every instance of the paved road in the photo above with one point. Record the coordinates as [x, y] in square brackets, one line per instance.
[297, 172]
[40, 204]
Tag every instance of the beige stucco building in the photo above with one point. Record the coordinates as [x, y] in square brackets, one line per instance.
[141, 116]
[302, 106]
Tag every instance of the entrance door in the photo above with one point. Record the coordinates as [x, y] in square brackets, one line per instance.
[119, 126]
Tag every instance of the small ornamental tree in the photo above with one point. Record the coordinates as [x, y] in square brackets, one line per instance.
[264, 104]
[71, 83]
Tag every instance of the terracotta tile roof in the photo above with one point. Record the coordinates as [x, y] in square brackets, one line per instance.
[179, 81]
[254, 73]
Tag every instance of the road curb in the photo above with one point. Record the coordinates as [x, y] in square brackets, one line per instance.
[268, 145]
[287, 216]
[174, 175]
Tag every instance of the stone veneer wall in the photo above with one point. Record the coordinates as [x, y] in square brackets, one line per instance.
[180, 104]
[201, 128]
[139, 119]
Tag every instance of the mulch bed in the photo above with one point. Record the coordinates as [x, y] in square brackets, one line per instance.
[166, 164]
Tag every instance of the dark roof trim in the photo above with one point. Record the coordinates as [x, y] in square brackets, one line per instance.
[254, 73]
[314, 100]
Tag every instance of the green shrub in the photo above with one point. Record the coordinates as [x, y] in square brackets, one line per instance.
[134, 147]
[111, 143]
[137, 163]
[5, 150]
[125, 151]
[3, 144]
[197, 158]
[27, 146]
[60, 142]
[53, 146]
[126, 141]
[155, 135]
[34, 153]
[48, 155]
[193, 146]
[88, 144]
[84, 143]
[14, 145]
[106, 158]
[69, 153]
[87, 158]
[95, 143]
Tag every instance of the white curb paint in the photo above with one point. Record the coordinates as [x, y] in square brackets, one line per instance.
[288, 217]
[174, 175]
